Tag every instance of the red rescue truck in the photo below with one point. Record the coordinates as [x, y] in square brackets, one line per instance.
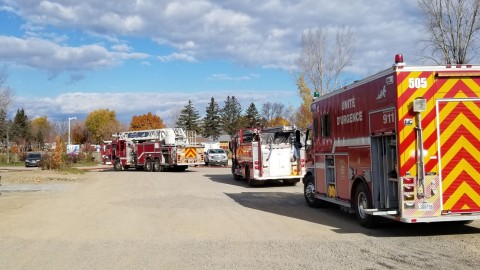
[275, 153]
[403, 144]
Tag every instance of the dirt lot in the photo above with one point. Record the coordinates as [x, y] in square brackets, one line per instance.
[203, 219]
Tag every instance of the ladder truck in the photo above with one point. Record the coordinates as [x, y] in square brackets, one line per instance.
[156, 150]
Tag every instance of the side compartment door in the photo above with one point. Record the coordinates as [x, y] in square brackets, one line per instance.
[459, 148]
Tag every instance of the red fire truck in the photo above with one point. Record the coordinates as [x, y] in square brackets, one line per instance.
[276, 153]
[155, 150]
[403, 144]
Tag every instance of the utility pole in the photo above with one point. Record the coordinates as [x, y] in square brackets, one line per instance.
[8, 143]
[69, 118]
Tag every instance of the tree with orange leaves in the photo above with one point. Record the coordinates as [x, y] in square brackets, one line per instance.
[146, 121]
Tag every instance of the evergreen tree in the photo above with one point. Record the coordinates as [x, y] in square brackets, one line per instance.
[252, 117]
[3, 124]
[21, 128]
[189, 118]
[230, 118]
[211, 122]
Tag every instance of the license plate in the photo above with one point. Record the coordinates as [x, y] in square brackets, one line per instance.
[425, 206]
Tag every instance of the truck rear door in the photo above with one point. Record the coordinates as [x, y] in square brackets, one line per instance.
[458, 127]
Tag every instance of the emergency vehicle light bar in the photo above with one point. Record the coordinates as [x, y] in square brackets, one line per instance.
[443, 74]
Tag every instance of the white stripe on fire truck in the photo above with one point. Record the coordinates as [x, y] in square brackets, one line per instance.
[363, 141]
[319, 165]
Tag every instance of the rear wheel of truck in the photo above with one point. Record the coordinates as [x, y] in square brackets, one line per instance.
[309, 192]
[148, 165]
[248, 177]
[117, 166]
[156, 165]
[362, 202]
[235, 176]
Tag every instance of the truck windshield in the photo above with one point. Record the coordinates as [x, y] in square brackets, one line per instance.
[276, 138]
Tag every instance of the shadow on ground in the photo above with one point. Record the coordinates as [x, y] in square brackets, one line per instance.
[293, 205]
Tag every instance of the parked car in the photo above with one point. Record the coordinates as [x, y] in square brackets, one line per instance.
[33, 159]
[216, 157]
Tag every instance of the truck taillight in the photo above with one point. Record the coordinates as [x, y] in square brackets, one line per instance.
[408, 181]
[255, 164]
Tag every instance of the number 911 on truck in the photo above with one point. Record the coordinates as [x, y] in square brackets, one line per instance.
[403, 144]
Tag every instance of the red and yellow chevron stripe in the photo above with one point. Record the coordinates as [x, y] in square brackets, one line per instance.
[460, 158]
[455, 129]
[190, 152]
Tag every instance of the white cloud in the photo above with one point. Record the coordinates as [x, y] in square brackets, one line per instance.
[265, 33]
[225, 77]
[46, 55]
[177, 57]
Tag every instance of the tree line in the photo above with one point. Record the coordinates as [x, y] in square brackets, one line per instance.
[99, 125]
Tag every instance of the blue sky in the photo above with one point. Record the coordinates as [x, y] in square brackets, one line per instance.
[67, 58]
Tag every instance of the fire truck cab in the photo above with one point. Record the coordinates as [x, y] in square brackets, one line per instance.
[402, 144]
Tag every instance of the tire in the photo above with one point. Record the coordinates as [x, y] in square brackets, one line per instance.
[157, 167]
[309, 191]
[236, 177]
[148, 165]
[117, 165]
[248, 178]
[362, 201]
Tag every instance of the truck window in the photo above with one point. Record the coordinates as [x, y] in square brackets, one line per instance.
[325, 122]
[315, 128]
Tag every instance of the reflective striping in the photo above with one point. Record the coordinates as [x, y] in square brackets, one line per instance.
[451, 134]
[190, 152]
[460, 155]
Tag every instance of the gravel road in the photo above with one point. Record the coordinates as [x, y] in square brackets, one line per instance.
[203, 219]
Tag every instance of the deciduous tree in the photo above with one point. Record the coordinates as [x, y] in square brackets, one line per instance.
[304, 115]
[79, 133]
[278, 121]
[146, 121]
[6, 98]
[321, 62]
[42, 131]
[452, 29]
[101, 124]
[272, 110]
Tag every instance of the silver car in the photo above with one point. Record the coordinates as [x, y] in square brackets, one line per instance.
[216, 157]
